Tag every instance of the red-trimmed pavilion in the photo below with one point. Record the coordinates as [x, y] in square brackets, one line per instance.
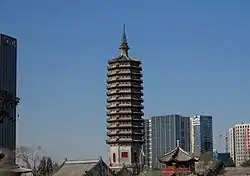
[178, 161]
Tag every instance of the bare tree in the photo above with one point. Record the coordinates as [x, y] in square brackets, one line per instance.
[2, 160]
[29, 158]
[35, 160]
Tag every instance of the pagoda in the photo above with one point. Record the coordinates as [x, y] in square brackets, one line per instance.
[178, 161]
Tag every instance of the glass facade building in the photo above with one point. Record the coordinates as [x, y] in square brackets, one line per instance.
[202, 134]
[146, 155]
[8, 82]
[166, 130]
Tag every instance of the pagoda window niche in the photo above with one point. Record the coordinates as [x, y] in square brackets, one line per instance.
[114, 157]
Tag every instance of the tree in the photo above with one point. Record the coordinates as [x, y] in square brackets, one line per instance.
[49, 166]
[7, 102]
[28, 158]
[2, 159]
[230, 162]
[56, 167]
[246, 163]
[42, 168]
[35, 160]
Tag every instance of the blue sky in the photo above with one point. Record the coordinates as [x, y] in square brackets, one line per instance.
[195, 58]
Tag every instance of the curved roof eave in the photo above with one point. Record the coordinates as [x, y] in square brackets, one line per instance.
[124, 58]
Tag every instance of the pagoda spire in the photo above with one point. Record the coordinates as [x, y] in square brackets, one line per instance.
[124, 43]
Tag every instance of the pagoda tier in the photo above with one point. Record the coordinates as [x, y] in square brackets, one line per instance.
[124, 119]
[124, 64]
[124, 140]
[124, 101]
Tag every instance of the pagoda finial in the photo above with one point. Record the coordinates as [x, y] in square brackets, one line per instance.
[124, 43]
[124, 37]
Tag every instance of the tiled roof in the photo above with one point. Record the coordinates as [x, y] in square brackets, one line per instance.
[76, 168]
[177, 154]
[124, 57]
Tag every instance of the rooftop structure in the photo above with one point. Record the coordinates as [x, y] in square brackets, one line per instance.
[84, 167]
[178, 161]
[124, 108]
[177, 155]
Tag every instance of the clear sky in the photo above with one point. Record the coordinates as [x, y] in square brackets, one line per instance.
[195, 54]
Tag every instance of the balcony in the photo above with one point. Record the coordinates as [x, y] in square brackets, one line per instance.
[120, 125]
[118, 91]
[138, 140]
[138, 126]
[129, 98]
[122, 112]
[119, 133]
[125, 140]
[112, 126]
[138, 106]
[113, 132]
[113, 72]
[123, 119]
[137, 92]
[138, 133]
[112, 140]
[124, 85]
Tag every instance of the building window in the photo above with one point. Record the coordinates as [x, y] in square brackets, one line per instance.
[124, 154]
[114, 158]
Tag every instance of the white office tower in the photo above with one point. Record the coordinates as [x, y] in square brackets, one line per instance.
[201, 134]
[191, 136]
[238, 143]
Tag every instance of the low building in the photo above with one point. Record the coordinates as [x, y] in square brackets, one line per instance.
[85, 168]
[178, 161]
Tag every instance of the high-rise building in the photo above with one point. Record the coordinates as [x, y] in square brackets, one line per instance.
[146, 157]
[8, 82]
[238, 143]
[191, 136]
[124, 108]
[202, 134]
[166, 131]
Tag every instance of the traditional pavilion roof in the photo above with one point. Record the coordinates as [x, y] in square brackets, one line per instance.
[79, 167]
[177, 155]
[76, 168]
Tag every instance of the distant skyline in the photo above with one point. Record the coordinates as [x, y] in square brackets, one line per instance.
[195, 58]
